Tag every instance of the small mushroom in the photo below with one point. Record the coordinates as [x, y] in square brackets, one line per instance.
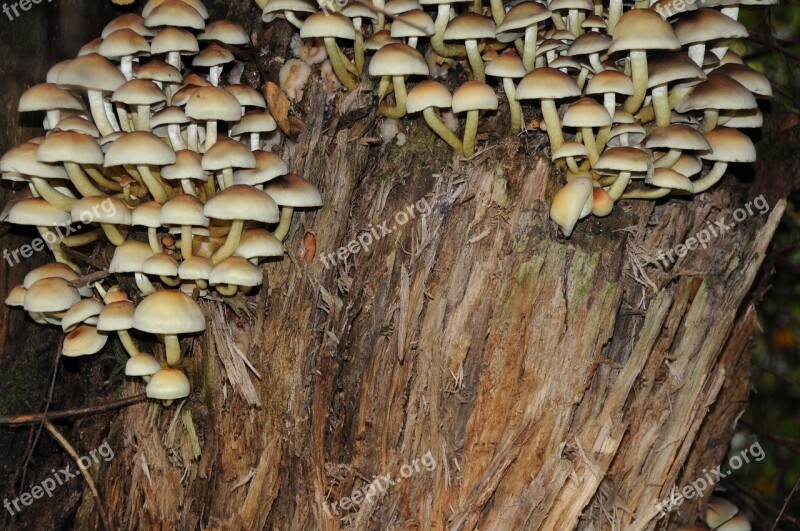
[473, 97]
[169, 312]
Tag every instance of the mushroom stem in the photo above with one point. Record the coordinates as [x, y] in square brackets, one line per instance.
[192, 137]
[174, 132]
[292, 18]
[639, 78]
[668, 160]
[710, 120]
[173, 349]
[158, 192]
[661, 106]
[112, 233]
[79, 179]
[77, 240]
[338, 65]
[513, 104]
[55, 245]
[51, 195]
[470, 132]
[358, 52]
[697, 53]
[591, 146]
[711, 178]
[171, 282]
[399, 109]
[211, 134]
[653, 193]
[144, 284]
[127, 342]
[231, 242]
[214, 75]
[186, 241]
[475, 60]
[437, 39]
[227, 290]
[99, 112]
[498, 12]
[529, 47]
[553, 123]
[227, 177]
[152, 238]
[286, 221]
[440, 129]
[102, 180]
[618, 188]
[143, 118]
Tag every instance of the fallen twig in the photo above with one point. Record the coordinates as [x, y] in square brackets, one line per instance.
[33, 418]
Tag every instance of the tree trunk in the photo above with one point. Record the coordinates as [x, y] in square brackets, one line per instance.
[519, 379]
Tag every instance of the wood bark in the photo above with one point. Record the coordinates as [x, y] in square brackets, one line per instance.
[556, 383]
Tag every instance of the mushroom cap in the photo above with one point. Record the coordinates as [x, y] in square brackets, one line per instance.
[523, 15]
[160, 264]
[413, 23]
[717, 92]
[235, 270]
[247, 96]
[671, 67]
[213, 103]
[131, 21]
[168, 384]
[718, 511]
[101, 209]
[398, 59]
[643, 29]
[742, 119]
[147, 215]
[183, 209]
[187, 166]
[116, 316]
[38, 212]
[82, 341]
[22, 159]
[589, 43]
[196, 4]
[228, 153]
[507, 64]
[53, 269]
[139, 148]
[258, 243]
[397, 7]
[169, 116]
[547, 83]
[586, 112]
[194, 268]
[91, 72]
[669, 178]
[470, 26]
[213, 55]
[560, 5]
[677, 136]
[568, 203]
[594, 22]
[357, 10]
[241, 201]
[706, 24]
[174, 13]
[688, 165]
[293, 191]
[172, 39]
[79, 125]
[268, 166]
[737, 523]
[16, 297]
[752, 80]
[428, 93]
[565, 63]
[474, 96]
[46, 97]
[609, 81]
[156, 70]
[378, 40]
[623, 158]
[85, 310]
[123, 42]
[602, 204]
[254, 122]
[129, 257]
[274, 7]
[325, 24]
[142, 365]
[70, 146]
[570, 149]
[634, 130]
[50, 294]
[729, 145]
[139, 92]
[168, 312]
[225, 31]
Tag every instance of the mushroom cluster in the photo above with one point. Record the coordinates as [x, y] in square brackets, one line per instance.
[147, 148]
[652, 97]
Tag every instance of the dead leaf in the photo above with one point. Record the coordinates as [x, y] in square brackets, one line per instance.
[310, 247]
[792, 120]
[279, 106]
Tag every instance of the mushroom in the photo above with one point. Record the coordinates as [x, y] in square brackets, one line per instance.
[676, 138]
[107, 211]
[50, 296]
[569, 203]
[258, 243]
[137, 152]
[129, 258]
[509, 66]
[427, 96]
[288, 9]
[174, 42]
[226, 155]
[164, 266]
[397, 61]
[704, 25]
[143, 365]
[50, 98]
[332, 26]
[214, 57]
[195, 269]
[234, 273]
[82, 341]
[123, 44]
[41, 214]
[622, 161]
[440, 25]
[412, 25]
[212, 104]
[667, 69]
[718, 511]
[148, 215]
[637, 32]
[587, 114]
[524, 16]
[291, 191]
[185, 211]
[22, 160]
[665, 180]
[569, 151]
[143, 95]
[727, 145]
[718, 92]
[118, 317]
[169, 312]
[471, 27]
[268, 166]
[254, 123]
[473, 97]
[73, 150]
[187, 168]
[168, 385]
[548, 84]
[237, 204]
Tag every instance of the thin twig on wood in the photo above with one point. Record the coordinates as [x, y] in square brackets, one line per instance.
[32, 418]
[91, 278]
[89, 481]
